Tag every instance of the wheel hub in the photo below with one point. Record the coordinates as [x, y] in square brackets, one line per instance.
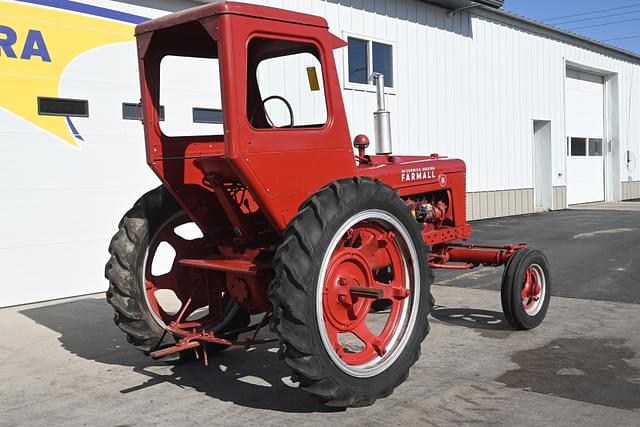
[532, 289]
[343, 309]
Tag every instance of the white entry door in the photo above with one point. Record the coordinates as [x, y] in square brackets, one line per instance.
[585, 137]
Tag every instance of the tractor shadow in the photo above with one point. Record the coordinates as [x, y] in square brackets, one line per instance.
[253, 378]
[491, 324]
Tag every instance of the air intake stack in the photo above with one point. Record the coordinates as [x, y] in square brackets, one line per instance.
[381, 118]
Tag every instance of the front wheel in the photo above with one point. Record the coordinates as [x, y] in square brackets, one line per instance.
[526, 289]
[352, 244]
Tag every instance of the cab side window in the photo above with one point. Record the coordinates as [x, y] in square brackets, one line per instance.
[285, 85]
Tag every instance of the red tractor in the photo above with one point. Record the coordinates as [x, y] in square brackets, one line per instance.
[336, 251]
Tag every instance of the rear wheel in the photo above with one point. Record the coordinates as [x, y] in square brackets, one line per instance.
[526, 289]
[353, 243]
[148, 290]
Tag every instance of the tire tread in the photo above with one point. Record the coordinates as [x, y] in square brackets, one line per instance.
[291, 288]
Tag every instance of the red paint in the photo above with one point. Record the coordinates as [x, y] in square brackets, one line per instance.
[531, 290]
[243, 187]
[350, 287]
[471, 255]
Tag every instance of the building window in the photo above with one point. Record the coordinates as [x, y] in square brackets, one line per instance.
[595, 146]
[358, 60]
[207, 115]
[582, 147]
[63, 107]
[132, 111]
[382, 58]
[365, 57]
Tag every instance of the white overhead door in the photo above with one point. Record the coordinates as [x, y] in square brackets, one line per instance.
[585, 137]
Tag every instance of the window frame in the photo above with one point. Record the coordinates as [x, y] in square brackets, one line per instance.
[370, 87]
[323, 72]
[193, 135]
[587, 141]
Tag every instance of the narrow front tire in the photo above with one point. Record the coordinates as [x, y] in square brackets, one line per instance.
[526, 289]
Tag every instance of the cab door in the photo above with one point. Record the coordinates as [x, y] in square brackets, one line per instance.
[297, 139]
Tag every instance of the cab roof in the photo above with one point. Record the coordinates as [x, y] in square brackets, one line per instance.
[232, 8]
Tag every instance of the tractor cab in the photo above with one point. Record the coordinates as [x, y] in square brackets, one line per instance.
[280, 138]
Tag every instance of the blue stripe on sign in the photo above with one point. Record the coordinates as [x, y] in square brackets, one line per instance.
[103, 12]
[74, 131]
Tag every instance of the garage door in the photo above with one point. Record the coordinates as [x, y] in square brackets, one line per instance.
[585, 136]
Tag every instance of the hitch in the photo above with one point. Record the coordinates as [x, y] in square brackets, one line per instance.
[197, 338]
[194, 334]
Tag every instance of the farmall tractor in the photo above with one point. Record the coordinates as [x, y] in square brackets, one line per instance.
[335, 250]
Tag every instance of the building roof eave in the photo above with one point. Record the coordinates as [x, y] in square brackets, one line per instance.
[549, 29]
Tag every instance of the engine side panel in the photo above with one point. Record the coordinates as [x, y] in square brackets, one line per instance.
[433, 179]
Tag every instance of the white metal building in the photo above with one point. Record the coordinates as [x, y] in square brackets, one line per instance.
[543, 118]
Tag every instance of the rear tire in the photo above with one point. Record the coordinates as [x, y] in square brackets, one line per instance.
[125, 271]
[319, 257]
[526, 289]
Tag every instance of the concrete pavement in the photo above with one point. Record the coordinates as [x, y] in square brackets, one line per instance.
[65, 363]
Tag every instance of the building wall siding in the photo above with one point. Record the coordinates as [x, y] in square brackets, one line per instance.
[559, 197]
[631, 190]
[491, 204]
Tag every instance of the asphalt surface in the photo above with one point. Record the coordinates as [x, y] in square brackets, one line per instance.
[593, 253]
[65, 363]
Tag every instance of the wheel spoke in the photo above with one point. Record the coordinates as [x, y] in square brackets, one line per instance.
[179, 244]
[372, 342]
[391, 291]
[165, 281]
[373, 247]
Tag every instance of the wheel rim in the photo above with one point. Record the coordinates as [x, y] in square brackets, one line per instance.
[213, 310]
[370, 255]
[533, 289]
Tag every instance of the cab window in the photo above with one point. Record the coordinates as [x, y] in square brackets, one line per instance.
[285, 85]
[190, 93]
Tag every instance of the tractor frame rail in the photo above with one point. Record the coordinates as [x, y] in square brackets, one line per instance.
[465, 256]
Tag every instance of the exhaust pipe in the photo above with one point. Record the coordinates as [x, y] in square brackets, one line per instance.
[381, 118]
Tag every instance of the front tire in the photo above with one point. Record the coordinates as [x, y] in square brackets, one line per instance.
[352, 243]
[526, 289]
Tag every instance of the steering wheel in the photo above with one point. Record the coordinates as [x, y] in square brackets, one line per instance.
[261, 105]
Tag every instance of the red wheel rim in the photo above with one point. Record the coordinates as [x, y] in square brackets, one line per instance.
[533, 289]
[180, 281]
[368, 262]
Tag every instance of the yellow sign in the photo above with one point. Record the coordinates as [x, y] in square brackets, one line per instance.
[36, 46]
[312, 76]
